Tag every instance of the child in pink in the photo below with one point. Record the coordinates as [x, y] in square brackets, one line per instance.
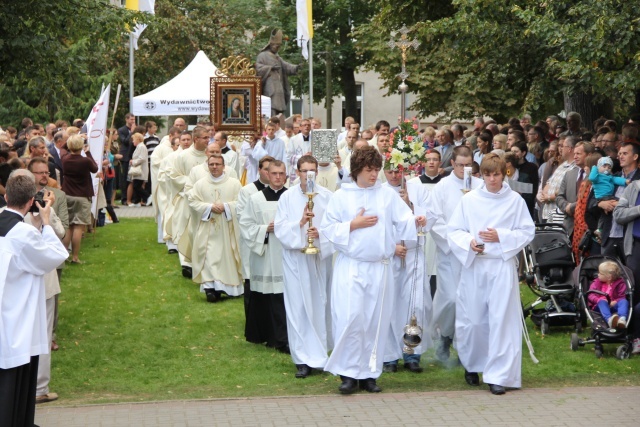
[616, 310]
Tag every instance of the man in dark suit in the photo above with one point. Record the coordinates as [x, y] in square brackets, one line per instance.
[58, 151]
[124, 133]
[445, 148]
[568, 193]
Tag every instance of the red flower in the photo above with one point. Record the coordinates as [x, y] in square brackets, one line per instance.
[415, 127]
[409, 138]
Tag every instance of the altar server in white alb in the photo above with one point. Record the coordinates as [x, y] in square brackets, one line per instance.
[26, 255]
[412, 289]
[487, 230]
[445, 197]
[266, 315]
[364, 221]
[216, 252]
[306, 277]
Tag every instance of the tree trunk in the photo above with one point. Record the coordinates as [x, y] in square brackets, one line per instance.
[329, 89]
[349, 89]
[583, 104]
[348, 74]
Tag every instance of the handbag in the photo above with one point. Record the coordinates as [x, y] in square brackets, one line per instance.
[111, 172]
[586, 241]
[135, 171]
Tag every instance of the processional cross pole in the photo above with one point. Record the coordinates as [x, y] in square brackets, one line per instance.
[404, 44]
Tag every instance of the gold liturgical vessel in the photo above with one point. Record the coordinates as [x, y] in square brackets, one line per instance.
[310, 249]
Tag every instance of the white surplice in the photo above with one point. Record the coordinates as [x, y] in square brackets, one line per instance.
[445, 198]
[429, 242]
[296, 148]
[410, 301]
[307, 278]
[250, 164]
[26, 255]
[265, 260]
[274, 148]
[245, 249]
[362, 296]
[488, 308]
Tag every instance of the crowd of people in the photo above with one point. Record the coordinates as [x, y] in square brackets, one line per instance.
[437, 248]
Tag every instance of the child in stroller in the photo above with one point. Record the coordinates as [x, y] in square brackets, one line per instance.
[618, 284]
[608, 297]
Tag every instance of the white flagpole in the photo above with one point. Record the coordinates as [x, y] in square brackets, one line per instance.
[311, 77]
[131, 72]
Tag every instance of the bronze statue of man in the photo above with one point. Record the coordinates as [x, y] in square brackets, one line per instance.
[274, 72]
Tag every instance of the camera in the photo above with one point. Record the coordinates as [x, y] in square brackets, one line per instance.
[39, 198]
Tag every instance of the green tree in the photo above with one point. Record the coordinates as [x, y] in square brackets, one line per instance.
[46, 56]
[180, 29]
[333, 24]
[502, 58]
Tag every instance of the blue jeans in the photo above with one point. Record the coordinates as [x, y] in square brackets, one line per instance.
[407, 358]
[621, 308]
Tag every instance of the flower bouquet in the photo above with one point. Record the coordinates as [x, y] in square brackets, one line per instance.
[406, 151]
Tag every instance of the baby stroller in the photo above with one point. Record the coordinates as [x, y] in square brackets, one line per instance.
[549, 265]
[600, 331]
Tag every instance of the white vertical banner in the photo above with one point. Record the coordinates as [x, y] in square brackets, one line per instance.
[96, 132]
[305, 25]
[141, 6]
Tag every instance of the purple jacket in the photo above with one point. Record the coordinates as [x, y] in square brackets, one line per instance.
[616, 291]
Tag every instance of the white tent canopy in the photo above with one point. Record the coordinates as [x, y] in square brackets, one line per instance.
[187, 94]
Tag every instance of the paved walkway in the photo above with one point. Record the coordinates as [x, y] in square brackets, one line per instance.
[134, 212]
[600, 407]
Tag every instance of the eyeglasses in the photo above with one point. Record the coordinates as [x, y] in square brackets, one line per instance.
[462, 165]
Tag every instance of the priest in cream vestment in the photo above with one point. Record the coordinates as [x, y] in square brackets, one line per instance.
[216, 252]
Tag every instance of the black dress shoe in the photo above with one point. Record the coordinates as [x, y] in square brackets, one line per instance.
[370, 385]
[497, 389]
[348, 386]
[390, 368]
[472, 378]
[303, 371]
[413, 367]
[187, 272]
[173, 251]
[212, 295]
[284, 349]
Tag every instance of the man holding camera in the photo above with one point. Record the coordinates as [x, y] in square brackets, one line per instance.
[26, 255]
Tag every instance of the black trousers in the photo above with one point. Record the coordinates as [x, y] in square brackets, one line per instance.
[123, 183]
[140, 194]
[18, 394]
[633, 262]
[266, 320]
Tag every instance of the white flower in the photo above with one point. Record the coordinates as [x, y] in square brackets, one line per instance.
[401, 145]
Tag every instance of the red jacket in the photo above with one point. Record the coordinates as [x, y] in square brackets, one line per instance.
[616, 291]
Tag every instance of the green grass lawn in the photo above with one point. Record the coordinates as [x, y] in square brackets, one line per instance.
[132, 328]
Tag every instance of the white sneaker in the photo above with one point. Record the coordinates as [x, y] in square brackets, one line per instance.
[622, 323]
[613, 321]
[636, 346]
[135, 205]
[149, 201]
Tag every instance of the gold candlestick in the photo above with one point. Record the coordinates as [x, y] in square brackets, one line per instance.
[310, 249]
